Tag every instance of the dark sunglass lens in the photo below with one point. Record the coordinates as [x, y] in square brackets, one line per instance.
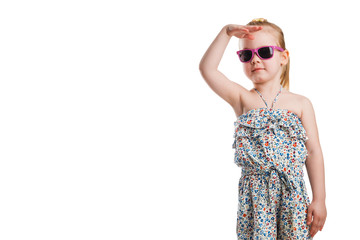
[245, 55]
[266, 52]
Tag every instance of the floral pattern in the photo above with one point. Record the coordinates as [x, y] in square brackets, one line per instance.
[270, 149]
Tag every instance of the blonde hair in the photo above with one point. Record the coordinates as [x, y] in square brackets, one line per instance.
[281, 41]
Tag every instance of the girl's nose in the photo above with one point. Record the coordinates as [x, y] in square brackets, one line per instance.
[255, 58]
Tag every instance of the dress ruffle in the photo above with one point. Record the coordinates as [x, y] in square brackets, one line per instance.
[257, 122]
[254, 128]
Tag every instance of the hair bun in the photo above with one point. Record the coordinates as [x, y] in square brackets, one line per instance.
[259, 20]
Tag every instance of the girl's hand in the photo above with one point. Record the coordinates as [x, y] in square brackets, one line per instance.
[241, 31]
[316, 209]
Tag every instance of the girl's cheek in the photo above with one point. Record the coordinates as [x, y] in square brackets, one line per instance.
[247, 68]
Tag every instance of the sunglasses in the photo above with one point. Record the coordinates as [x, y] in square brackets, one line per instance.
[264, 53]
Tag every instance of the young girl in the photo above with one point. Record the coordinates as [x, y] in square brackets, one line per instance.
[272, 144]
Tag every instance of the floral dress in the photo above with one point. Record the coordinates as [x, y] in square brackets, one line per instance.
[270, 149]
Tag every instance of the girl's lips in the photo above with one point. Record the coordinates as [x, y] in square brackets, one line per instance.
[256, 69]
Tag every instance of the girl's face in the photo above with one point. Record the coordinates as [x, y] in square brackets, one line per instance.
[259, 70]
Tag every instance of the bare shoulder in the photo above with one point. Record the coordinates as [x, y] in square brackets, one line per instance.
[306, 105]
[308, 121]
[295, 97]
[292, 101]
[308, 114]
[301, 103]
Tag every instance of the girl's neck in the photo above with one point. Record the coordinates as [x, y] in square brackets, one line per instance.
[268, 88]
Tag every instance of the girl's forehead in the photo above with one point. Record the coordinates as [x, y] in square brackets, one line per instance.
[262, 38]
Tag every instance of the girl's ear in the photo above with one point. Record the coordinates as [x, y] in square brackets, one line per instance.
[284, 57]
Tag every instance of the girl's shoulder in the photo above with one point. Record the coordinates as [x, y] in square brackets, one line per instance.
[295, 97]
[298, 102]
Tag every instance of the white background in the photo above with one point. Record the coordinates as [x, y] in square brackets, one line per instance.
[108, 130]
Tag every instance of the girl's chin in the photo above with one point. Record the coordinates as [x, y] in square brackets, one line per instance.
[258, 80]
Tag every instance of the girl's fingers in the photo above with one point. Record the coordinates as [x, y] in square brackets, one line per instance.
[242, 31]
[316, 225]
[309, 217]
[245, 28]
[313, 234]
[314, 229]
[254, 28]
[232, 27]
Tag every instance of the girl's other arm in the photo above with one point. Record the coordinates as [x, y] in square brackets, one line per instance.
[315, 169]
[218, 82]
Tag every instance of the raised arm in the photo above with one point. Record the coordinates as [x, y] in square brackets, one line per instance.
[218, 82]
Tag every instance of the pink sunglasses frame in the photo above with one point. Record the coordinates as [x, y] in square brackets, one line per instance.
[257, 53]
